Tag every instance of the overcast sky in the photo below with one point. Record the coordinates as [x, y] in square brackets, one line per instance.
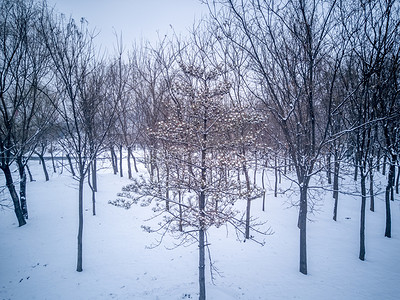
[136, 19]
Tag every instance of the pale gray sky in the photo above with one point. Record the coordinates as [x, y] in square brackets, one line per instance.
[136, 19]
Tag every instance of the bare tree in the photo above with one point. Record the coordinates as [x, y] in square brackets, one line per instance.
[197, 143]
[288, 44]
[22, 78]
[76, 71]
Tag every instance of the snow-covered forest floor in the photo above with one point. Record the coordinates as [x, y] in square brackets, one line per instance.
[38, 260]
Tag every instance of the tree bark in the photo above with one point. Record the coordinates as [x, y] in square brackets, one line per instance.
[52, 159]
[371, 188]
[389, 188]
[121, 174]
[248, 204]
[329, 168]
[134, 162]
[29, 173]
[263, 186]
[91, 186]
[114, 160]
[384, 165]
[71, 165]
[80, 224]
[336, 170]
[14, 195]
[202, 274]
[302, 224]
[397, 179]
[276, 178]
[46, 174]
[167, 188]
[362, 218]
[129, 162]
[22, 187]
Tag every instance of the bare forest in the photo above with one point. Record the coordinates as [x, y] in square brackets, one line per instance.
[301, 89]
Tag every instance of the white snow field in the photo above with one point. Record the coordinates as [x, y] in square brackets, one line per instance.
[38, 260]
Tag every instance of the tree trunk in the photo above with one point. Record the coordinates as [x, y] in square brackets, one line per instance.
[371, 188]
[180, 211]
[378, 157]
[14, 195]
[263, 186]
[202, 266]
[167, 188]
[70, 165]
[94, 174]
[384, 165]
[255, 169]
[91, 186]
[248, 205]
[329, 168]
[30, 174]
[356, 161]
[202, 277]
[52, 159]
[114, 160]
[129, 162]
[285, 166]
[134, 162]
[362, 218]
[336, 170]
[121, 174]
[22, 187]
[80, 224]
[276, 178]
[389, 188]
[46, 174]
[302, 224]
[397, 179]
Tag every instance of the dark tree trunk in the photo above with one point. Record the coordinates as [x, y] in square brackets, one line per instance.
[276, 178]
[71, 166]
[302, 224]
[134, 162]
[285, 166]
[202, 266]
[152, 164]
[91, 186]
[356, 160]
[129, 163]
[30, 174]
[378, 158]
[336, 170]
[94, 174]
[389, 189]
[121, 174]
[202, 205]
[371, 188]
[255, 168]
[114, 160]
[52, 160]
[263, 186]
[384, 165]
[80, 223]
[180, 211]
[167, 188]
[248, 204]
[46, 174]
[362, 218]
[14, 195]
[397, 179]
[22, 187]
[329, 168]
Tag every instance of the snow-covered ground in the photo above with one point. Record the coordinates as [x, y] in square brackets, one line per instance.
[38, 260]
